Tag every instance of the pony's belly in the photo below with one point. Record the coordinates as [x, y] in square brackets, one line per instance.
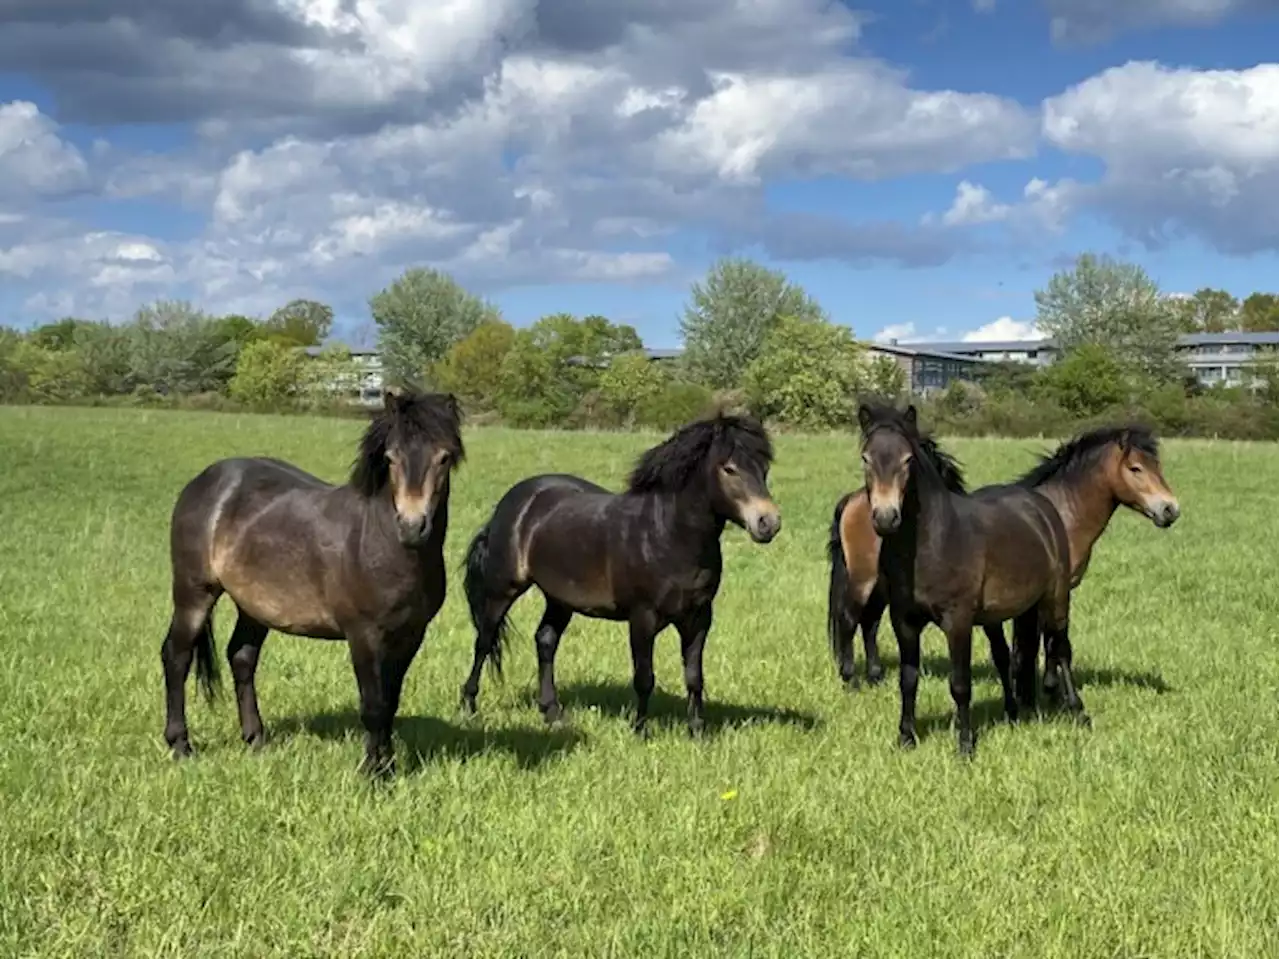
[293, 608]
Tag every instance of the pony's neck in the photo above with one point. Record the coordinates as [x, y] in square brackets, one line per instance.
[1086, 504]
[687, 515]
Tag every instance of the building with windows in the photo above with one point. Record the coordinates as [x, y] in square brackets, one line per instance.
[927, 368]
[1214, 359]
[365, 387]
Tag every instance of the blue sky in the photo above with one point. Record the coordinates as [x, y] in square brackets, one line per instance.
[920, 167]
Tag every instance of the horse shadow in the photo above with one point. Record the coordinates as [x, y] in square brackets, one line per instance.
[618, 700]
[426, 739]
[1085, 676]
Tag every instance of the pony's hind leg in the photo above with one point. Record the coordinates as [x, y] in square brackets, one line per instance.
[1001, 660]
[1026, 649]
[242, 656]
[960, 646]
[643, 630]
[1058, 647]
[546, 640]
[490, 637]
[907, 631]
[870, 623]
[190, 633]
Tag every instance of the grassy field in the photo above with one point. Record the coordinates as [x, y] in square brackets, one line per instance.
[797, 828]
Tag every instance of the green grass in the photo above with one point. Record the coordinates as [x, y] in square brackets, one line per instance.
[797, 828]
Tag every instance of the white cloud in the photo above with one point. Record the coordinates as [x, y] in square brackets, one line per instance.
[974, 205]
[899, 332]
[1186, 151]
[34, 160]
[1005, 328]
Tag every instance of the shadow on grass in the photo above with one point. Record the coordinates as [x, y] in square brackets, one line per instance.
[1085, 676]
[619, 700]
[423, 739]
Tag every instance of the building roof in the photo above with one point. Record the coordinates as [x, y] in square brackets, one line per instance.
[1269, 338]
[988, 346]
[354, 350]
[920, 349]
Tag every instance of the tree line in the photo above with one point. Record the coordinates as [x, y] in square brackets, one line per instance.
[752, 339]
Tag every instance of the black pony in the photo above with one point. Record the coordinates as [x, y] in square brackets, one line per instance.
[361, 562]
[649, 556]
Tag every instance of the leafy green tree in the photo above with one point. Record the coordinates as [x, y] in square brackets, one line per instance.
[885, 377]
[44, 374]
[237, 329]
[420, 317]
[807, 375]
[268, 374]
[176, 348]
[301, 322]
[472, 369]
[554, 363]
[1259, 313]
[60, 335]
[1116, 306]
[331, 377]
[730, 314]
[630, 382]
[1208, 311]
[1086, 381]
[105, 353]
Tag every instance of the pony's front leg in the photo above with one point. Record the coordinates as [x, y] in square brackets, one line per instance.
[547, 640]
[1001, 660]
[380, 662]
[907, 631]
[693, 638]
[959, 631]
[644, 627]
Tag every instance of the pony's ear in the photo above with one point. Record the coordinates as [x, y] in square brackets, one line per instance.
[864, 416]
[910, 416]
[451, 404]
[1126, 441]
[392, 397]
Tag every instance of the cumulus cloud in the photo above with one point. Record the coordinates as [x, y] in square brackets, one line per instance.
[510, 141]
[34, 160]
[895, 333]
[1004, 329]
[1091, 21]
[1186, 151]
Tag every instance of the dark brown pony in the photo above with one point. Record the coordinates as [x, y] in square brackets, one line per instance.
[856, 595]
[960, 561]
[1087, 479]
[361, 562]
[649, 556]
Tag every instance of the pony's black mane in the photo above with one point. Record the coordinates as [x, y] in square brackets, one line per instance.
[884, 416]
[412, 419]
[1077, 455]
[671, 465]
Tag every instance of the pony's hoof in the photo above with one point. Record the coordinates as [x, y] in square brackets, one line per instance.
[967, 746]
[467, 704]
[641, 730]
[1082, 720]
[697, 729]
[553, 714]
[875, 676]
[256, 742]
[907, 740]
[180, 749]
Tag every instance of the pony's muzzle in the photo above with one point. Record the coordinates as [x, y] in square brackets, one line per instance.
[765, 527]
[1165, 514]
[414, 532]
[886, 519]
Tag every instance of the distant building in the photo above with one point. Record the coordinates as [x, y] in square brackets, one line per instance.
[927, 368]
[1219, 359]
[1215, 359]
[366, 386]
[1036, 352]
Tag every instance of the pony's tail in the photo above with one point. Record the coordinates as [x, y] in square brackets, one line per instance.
[206, 659]
[490, 637]
[839, 621]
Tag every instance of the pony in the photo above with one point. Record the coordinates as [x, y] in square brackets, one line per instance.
[648, 556]
[362, 562]
[1087, 478]
[958, 561]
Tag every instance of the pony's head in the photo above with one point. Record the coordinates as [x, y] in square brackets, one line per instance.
[730, 457]
[411, 448]
[890, 443]
[1125, 459]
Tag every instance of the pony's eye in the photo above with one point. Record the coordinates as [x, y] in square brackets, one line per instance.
[1135, 469]
[730, 469]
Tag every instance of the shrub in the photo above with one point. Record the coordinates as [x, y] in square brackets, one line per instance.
[268, 374]
[807, 374]
[676, 405]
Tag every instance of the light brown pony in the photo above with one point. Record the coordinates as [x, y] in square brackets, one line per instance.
[362, 562]
[1086, 479]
